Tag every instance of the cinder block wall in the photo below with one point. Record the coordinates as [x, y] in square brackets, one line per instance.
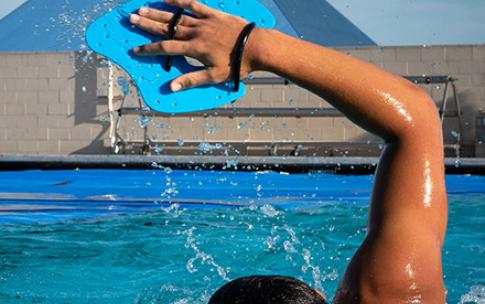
[56, 103]
[465, 63]
[48, 105]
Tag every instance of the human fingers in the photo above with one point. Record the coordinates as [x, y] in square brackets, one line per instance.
[165, 17]
[199, 9]
[168, 47]
[157, 28]
[195, 79]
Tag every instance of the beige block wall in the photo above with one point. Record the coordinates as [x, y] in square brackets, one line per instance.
[56, 103]
[48, 105]
[465, 63]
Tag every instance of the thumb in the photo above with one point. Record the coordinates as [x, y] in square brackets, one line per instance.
[193, 79]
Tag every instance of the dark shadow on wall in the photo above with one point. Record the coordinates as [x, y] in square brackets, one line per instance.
[86, 101]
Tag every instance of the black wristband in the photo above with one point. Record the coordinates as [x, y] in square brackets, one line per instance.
[238, 53]
[172, 31]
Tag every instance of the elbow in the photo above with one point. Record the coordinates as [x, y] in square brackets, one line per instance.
[412, 113]
[425, 112]
[423, 119]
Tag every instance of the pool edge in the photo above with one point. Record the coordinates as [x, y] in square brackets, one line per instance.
[343, 165]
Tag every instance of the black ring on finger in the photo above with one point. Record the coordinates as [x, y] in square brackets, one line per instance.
[172, 31]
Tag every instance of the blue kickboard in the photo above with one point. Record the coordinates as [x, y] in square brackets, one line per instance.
[114, 37]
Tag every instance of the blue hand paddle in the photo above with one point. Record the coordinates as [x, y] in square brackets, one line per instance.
[114, 37]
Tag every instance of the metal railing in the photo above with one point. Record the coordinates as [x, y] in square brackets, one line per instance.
[118, 142]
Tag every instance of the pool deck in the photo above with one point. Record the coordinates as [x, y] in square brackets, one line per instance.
[344, 165]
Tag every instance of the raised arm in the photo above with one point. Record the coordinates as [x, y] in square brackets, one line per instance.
[400, 258]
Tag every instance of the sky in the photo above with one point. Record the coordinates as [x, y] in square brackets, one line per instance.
[400, 22]
[417, 22]
[6, 6]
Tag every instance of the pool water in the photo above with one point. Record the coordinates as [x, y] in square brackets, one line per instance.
[163, 236]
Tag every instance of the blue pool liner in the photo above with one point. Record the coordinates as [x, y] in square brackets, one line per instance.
[46, 196]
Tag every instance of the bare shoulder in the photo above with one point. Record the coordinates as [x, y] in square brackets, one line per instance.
[383, 271]
[400, 259]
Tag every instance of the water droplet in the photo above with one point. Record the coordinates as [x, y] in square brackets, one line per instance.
[124, 84]
[210, 129]
[269, 211]
[229, 84]
[207, 147]
[158, 149]
[232, 163]
[144, 120]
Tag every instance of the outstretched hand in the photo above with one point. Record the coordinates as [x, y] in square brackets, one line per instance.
[209, 38]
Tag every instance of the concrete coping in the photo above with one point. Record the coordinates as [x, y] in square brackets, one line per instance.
[339, 165]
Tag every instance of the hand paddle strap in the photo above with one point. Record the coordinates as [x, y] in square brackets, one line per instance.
[238, 53]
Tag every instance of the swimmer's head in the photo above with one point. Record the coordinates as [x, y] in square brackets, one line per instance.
[266, 290]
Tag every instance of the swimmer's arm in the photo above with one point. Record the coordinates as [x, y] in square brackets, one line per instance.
[384, 104]
[401, 256]
[408, 212]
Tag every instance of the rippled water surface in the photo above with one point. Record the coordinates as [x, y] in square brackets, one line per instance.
[150, 252]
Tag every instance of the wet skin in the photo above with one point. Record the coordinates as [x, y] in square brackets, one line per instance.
[400, 258]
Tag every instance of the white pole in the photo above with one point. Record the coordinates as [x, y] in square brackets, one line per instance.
[112, 119]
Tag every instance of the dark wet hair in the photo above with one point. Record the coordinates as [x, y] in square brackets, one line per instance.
[266, 290]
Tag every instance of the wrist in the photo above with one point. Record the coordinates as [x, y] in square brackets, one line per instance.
[256, 55]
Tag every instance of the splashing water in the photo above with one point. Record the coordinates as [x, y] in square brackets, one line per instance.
[204, 258]
[144, 120]
[232, 163]
[124, 85]
[475, 295]
[75, 23]
[207, 147]
[269, 210]
[210, 128]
